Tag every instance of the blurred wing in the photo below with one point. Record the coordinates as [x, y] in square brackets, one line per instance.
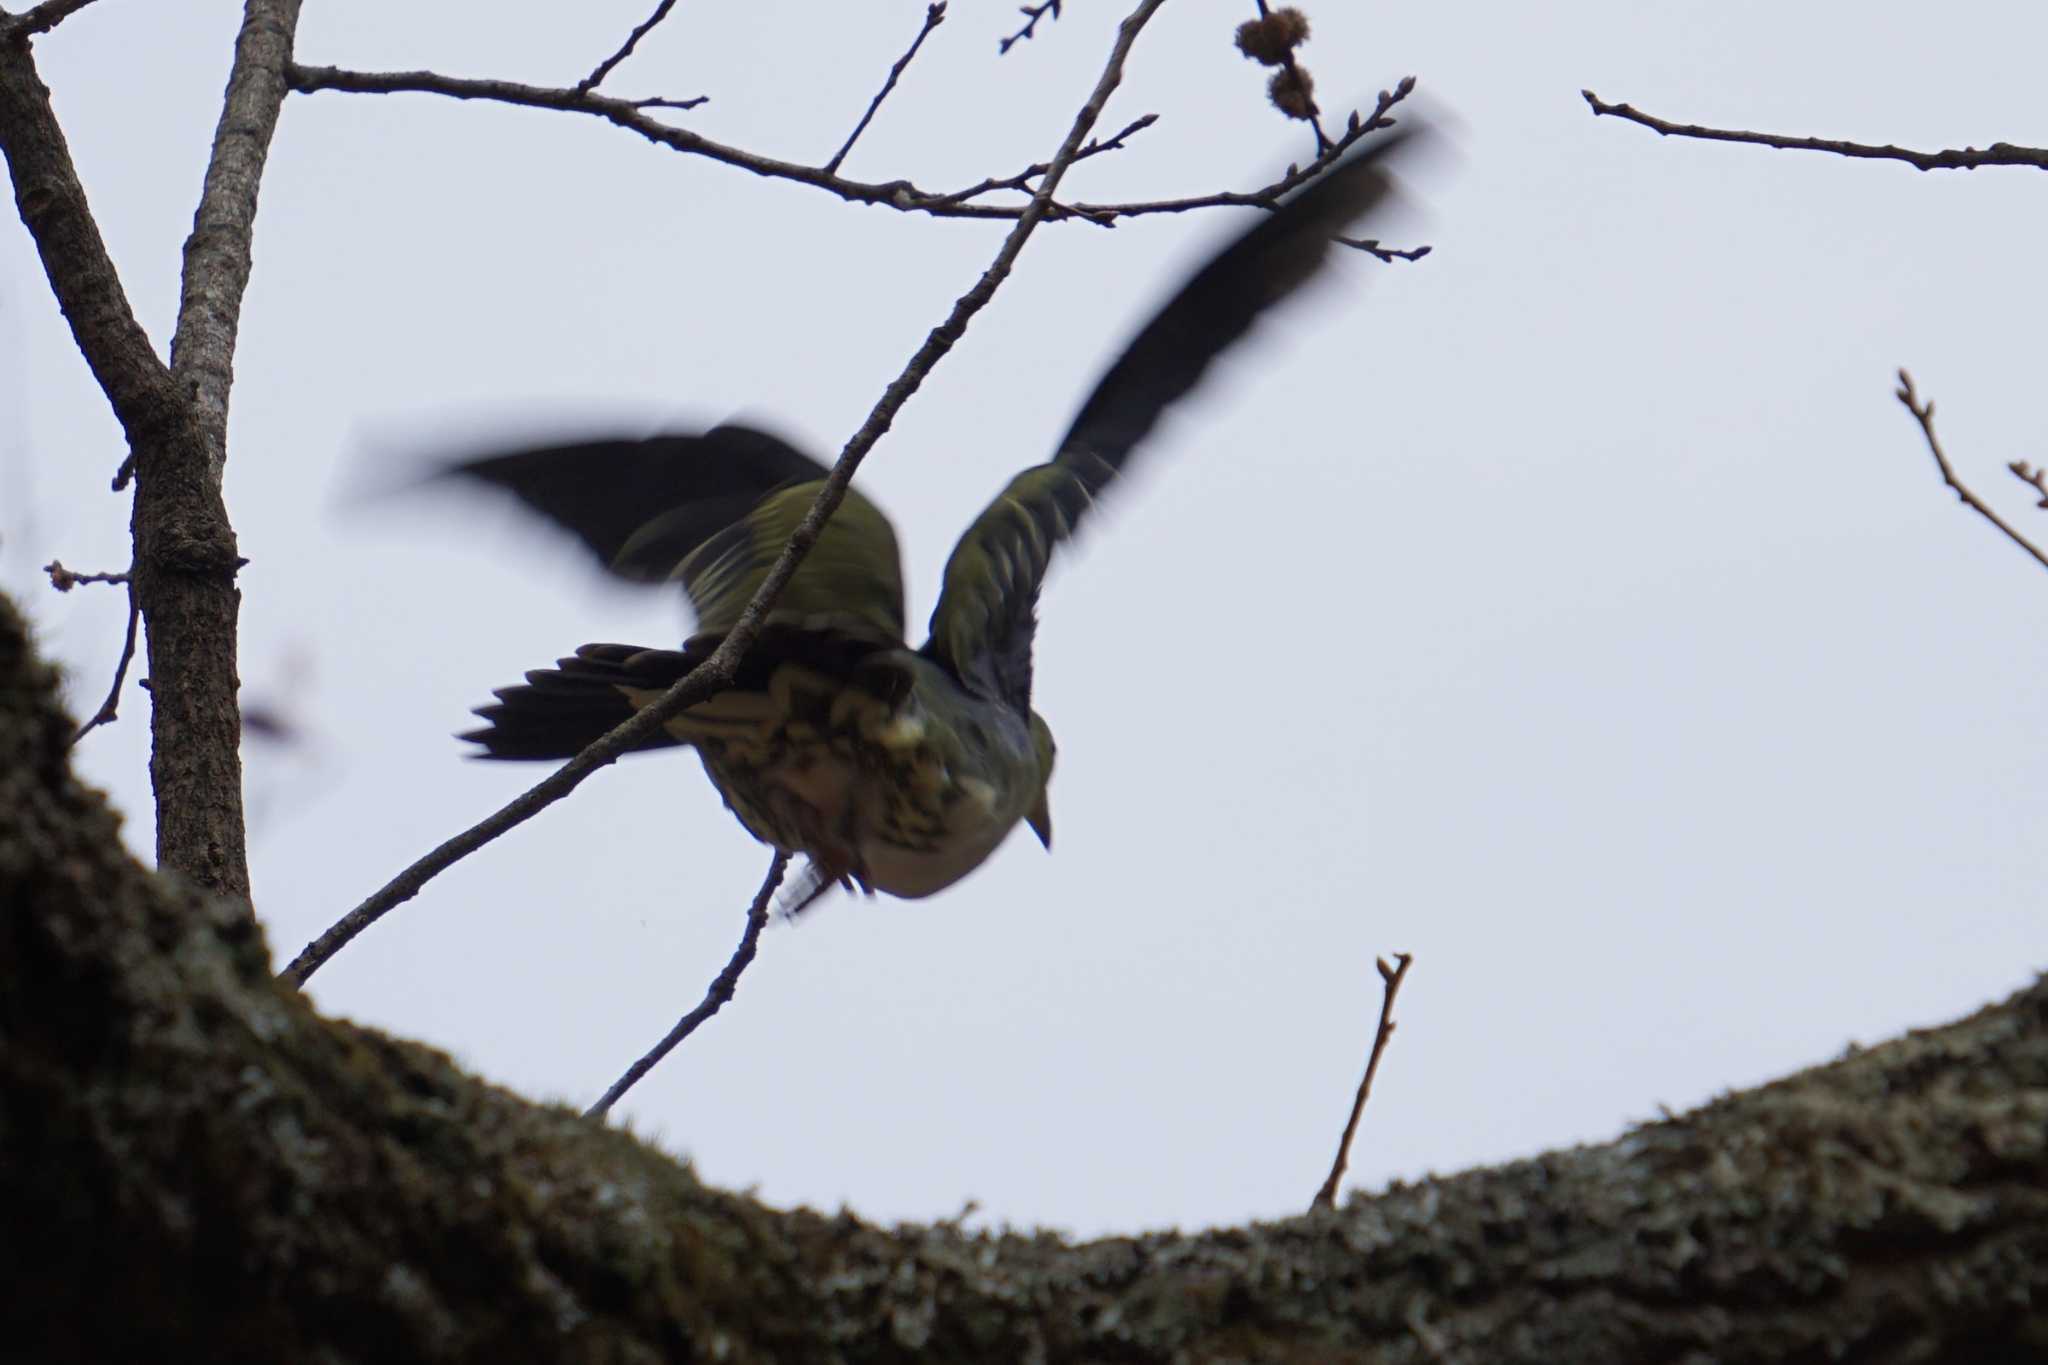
[714, 512]
[986, 615]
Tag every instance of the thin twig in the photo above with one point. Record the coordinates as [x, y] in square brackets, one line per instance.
[1963, 159]
[1021, 181]
[42, 18]
[63, 580]
[111, 706]
[934, 15]
[1924, 414]
[1032, 14]
[606, 67]
[1371, 247]
[715, 997]
[901, 195]
[1391, 978]
[658, 102]
[717, 672]
[2037, 478]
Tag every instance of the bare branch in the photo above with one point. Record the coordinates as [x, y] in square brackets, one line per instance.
[609, 64]
[659, 102]
[1966, 159]
[174, 418]
[934, 15]
[717, 671]
[41, 19]
[1021, 181]
[2037, 478]
[1371, 247]
[1924, 414]
[217, 254]
[186, 559]
[1032, 14]
[1391, 979]
[624, 113]
[715, 997]
[110, 708]
[88, 288]
[901, 195]
[64, 580]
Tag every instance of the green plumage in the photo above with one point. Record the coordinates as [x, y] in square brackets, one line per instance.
[893, 769]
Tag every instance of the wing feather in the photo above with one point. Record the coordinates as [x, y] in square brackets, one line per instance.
[986, 616]
[712, 512]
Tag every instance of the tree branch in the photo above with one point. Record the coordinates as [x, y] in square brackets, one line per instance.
[110, 708]
[41, 19]
[88, 289]
[715, 997]
[717, 672]
[934, 15]
[1923, 413]
[263, 1185]
[174, 418]
[186, 559]
[901, 195]
[1966, 159]
[2036, 479]
[1390, 986]
[1032, 14]
[610, 64]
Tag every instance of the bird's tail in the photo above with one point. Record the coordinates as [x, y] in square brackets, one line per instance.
[557, 712]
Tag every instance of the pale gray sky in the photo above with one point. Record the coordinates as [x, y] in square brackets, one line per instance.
[1575, 609]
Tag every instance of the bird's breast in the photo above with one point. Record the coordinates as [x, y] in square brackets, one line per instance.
[907, 792]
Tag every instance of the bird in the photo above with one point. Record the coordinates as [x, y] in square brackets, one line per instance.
[892, 769]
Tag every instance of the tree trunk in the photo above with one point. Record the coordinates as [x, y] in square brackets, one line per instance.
[194, 1165]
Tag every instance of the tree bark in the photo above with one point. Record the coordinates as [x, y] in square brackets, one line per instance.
[175, 419]
[194, 1165]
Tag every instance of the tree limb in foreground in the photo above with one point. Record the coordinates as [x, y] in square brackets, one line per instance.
[194, 1165]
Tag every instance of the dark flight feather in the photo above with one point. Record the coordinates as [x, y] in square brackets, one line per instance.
[986, 616]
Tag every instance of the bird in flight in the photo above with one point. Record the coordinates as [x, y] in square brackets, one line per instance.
[892, 769]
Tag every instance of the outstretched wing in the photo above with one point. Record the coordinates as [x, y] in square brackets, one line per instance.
[713, 512]
[986, 614]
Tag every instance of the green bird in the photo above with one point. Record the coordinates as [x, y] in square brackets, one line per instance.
[893, 769]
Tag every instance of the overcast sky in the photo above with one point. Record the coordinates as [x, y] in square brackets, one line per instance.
[1575, 609]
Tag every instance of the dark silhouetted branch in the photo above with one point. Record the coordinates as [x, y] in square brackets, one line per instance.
[1032, 14]
[609, 64]
[715, 997]
[1021, 181]
[110, 708]
[901, 195]
[1965, 159]
[934, 15]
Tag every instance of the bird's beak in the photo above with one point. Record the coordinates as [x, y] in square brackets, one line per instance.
[1040, 819]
